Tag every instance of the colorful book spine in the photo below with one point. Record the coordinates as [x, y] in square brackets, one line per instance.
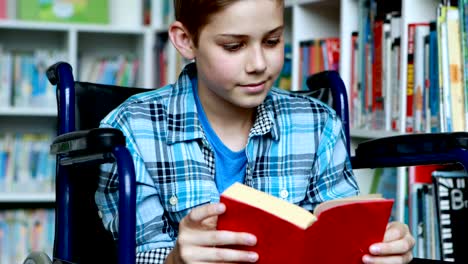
[463, 7]
[410, 75]
[434, 90]
[451, 189]
[455, 69]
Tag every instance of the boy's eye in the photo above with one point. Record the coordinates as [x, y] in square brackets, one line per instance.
[232, 47]
[272, 42]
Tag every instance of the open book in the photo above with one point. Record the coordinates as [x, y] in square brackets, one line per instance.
[339, 231]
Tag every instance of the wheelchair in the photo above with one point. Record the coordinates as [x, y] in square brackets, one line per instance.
[81, 147]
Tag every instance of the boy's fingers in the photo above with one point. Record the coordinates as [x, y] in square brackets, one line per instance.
[397, 247]
[217, 238]
[203, 212]
[218, 255]
[395, 231]
[406, 258]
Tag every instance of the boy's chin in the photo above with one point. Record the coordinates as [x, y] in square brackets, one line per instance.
[249, 103]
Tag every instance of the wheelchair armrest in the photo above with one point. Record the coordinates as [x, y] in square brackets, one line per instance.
[412, 149]
[87, 145]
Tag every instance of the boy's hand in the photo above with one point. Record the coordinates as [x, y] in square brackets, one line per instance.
[396, 247]
[198, 239]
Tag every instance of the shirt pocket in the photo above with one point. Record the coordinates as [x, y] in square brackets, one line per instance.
[178, 198]
[292, 189]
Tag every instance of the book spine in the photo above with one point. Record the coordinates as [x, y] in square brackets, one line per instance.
[434, 90]
[455, 71]
[451, 189]
[411, 75]
[463, 7]
[377, 56]
[410, 79]
[418, 83]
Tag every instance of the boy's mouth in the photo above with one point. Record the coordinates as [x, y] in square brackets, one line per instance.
[256, 87]
[253, 84]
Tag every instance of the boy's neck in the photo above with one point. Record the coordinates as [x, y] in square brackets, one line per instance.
[231, 124]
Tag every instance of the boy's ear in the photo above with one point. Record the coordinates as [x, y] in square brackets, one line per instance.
[181, 39]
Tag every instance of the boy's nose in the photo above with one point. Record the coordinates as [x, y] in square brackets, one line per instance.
[256, 61]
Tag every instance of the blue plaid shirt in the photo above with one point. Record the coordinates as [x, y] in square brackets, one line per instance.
[295, 151]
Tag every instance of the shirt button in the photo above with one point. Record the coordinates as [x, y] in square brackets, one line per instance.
[173, 200]
[284, 193]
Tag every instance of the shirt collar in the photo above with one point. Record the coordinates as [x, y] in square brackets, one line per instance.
[182, 115]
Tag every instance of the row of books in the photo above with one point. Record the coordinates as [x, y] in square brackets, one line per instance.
[434, 99]
[25, 163]
[284, 79]
[25, 231]
[23, 80]
[121, 70]
[438, 212]
[169, 62]
[164, 17]
[317, 55]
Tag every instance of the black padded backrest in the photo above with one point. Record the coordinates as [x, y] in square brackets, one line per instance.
[95, 101]
[92, 103]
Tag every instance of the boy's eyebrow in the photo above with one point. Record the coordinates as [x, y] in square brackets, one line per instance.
[243, 36]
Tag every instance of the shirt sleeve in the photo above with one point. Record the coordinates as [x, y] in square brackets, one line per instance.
[155, 256]
[332, 175]
[153, 229]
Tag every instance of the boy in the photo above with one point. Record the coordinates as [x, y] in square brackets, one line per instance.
[222, 123]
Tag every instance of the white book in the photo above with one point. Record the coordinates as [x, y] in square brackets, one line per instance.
[6, 71]
[457, 102]
[395, 83]
[444, 75]
[420, 32]
[126, 13]
[387, 75]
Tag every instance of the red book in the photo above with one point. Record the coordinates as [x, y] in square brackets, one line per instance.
[333, 53]
[339, 231]
[410, 76]
[3, 9]
[377, 99]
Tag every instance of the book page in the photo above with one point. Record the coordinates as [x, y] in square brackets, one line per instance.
[337, 202]
[273, 205]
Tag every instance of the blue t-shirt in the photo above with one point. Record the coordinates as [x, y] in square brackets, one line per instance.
[230, 165]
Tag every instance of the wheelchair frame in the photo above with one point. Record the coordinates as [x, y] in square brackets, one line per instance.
[405, 150]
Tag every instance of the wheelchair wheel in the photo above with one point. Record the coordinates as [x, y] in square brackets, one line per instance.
[37, 258]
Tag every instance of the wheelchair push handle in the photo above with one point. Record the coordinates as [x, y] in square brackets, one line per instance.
[53, 71]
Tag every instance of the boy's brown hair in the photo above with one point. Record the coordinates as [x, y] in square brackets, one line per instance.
[195, 14]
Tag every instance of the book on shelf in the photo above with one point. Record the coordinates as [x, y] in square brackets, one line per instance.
[287, 233]
[6, 72]
[23, 231]
[451, 203]
[25, 163]
[376, 66]
[83, 11]
[463, 8]
[444, 75]
[317, 55]
[422, 217]
[411, 64]
[3, 9]
[434, 89]
[455, 69]
[418, 112]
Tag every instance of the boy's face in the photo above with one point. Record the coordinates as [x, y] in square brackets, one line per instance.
[240, 53]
